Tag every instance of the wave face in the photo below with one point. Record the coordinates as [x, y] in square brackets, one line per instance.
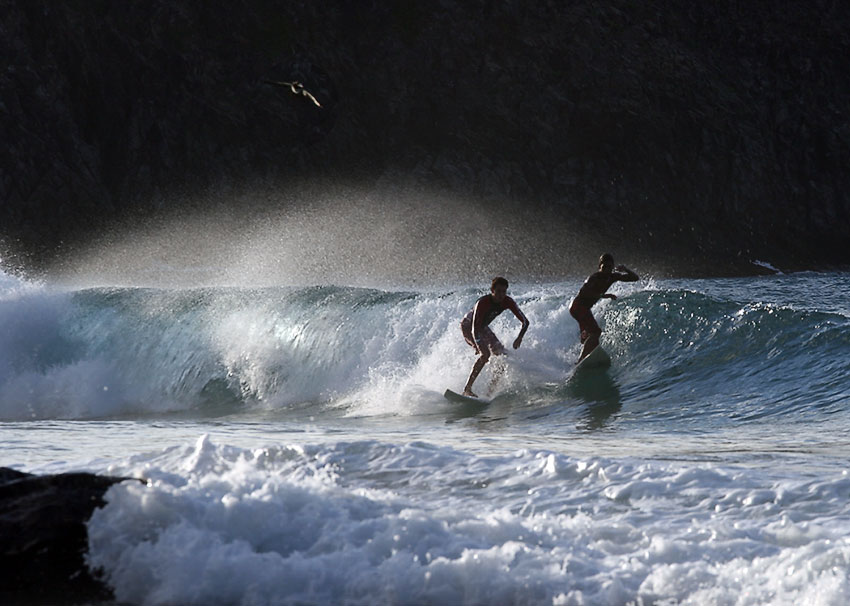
[724, 349]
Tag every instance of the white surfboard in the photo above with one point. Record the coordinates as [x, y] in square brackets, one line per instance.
[598, 359]
[462, 399]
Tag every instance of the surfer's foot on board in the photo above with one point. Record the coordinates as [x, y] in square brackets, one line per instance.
[587, 349]
[469, 393]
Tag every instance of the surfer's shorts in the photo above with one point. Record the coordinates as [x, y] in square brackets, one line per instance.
[486, 338]
[586, 322]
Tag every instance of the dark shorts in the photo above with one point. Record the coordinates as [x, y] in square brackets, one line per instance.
[586, 322]
[486, 338]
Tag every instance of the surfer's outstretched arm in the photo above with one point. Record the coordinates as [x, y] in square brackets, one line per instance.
[624, 274]
[524, 320]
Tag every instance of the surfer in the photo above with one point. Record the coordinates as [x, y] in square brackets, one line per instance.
[591, 291]
[476, 331]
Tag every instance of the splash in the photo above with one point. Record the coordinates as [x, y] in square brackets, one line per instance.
[384, 236]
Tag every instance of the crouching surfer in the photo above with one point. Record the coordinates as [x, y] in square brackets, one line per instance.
[591, 291]
[476, 330]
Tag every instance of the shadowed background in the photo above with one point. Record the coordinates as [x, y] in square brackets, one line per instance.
[450, 141]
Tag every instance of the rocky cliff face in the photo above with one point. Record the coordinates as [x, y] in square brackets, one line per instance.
[712, 132]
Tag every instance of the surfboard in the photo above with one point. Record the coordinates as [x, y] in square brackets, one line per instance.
[462, 399]
[598, 359]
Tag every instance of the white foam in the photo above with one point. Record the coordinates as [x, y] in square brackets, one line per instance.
[367, 523]
[404, 384]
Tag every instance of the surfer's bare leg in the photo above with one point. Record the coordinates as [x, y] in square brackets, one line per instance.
[476, 370]
[591, 343]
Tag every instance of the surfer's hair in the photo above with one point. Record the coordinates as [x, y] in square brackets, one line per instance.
[498, 281]
[606, 257]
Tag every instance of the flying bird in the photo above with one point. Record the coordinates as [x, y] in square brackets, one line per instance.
[297, 89]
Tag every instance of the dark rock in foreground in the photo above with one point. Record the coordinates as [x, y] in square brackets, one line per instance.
[44, 538]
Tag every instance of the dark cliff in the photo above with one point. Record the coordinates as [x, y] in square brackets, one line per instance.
[43, 525]
[714, 132]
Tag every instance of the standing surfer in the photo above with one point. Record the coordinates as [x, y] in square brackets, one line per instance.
[591, 291]
[476, 331]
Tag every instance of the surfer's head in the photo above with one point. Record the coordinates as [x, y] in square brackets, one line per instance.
[606, 263]
[499, 288]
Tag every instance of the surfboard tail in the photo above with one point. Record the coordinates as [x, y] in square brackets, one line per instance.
[597, 359]
[462, 399]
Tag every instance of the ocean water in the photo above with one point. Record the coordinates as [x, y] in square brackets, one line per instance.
[297, 448]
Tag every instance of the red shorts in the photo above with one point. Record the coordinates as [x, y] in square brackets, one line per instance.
[586, 322]
[486, 338]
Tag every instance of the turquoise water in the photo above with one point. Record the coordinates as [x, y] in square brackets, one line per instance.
[299, 450]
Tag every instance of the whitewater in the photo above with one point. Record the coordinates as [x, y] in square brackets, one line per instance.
[296, 448]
